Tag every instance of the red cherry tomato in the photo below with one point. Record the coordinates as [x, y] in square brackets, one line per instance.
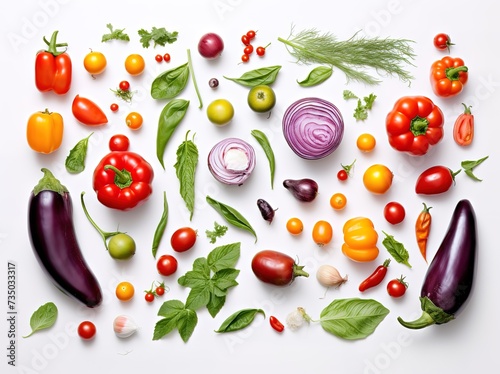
[159, 58]
[124, 85]
[442, 41]
[183, 239]
[86, 330]
[245, 40]
[248, 50]
[114, 107]
[342, 175]
[397, 287]
[245, 58]
[251, 34]
[119, 142]
[149, 296]
[160, 290]
[261, 51]
[276, 324]
[166, 265]
[394, 212]
[166, 57]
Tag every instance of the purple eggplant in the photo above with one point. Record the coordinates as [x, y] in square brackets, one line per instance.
[449, 278]
[54, 242]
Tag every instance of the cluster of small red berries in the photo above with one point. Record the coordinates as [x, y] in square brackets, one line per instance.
[246, 39]
[160, 58]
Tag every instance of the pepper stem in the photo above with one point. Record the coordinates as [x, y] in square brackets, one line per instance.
[418, 125]
[104, 234]
[453, 74]
[123, 178]
[53, 45]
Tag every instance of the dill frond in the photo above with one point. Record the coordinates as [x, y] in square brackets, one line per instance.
[354, 56]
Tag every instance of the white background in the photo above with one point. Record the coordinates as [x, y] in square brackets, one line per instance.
[461, 346]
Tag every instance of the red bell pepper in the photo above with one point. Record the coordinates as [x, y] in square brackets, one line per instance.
[414, 125]
[448, 76]
[122, 180]
[53, 69]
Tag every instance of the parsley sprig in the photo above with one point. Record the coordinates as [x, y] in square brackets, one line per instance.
[117, 34]
[159, 36]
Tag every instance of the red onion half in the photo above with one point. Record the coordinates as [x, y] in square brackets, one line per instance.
[210, 46]
[313, 128]
[231, 161]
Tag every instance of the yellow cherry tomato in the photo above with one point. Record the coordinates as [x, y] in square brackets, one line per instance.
[338, 201]
[366, 142]
[134, 120]
[220, 112]
[45, 131]
[135, 64]
[125, 291]
[322, 233]
[378, 179]
[95, 62]
[294, 226]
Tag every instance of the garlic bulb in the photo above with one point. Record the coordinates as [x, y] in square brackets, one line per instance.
[329, 276]
[124, 326]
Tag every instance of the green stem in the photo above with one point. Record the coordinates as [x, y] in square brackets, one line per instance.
[104, 234]
[453, 73]
[298, 272]
[123, 178]
[49, 183]
[419, 125]
[191, 70]
[423, 321]
[53, 45]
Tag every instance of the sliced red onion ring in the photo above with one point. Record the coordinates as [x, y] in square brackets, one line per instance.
[313, 128]
[231, 161]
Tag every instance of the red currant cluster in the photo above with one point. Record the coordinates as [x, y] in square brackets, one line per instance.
[246, 39]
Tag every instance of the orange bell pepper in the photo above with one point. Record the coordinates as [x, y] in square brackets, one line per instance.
[360, 240]
[448, 76]
[45, 131]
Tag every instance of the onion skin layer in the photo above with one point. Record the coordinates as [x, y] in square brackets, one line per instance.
[313, 128]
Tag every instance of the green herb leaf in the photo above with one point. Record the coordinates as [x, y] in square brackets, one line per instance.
[215, 304]
[160, 228]
[231, 215]
[170, 117]
[43, 318]
[185, 169]
[224, 279]
[469, 166]
[352, 318]
[171, 308]
[170, 83]
[239, 320]
[114, 34]
[176, 316]
[266, 146]
[224, 257]
[218, 232]
[360, 113]
[396, 249]
[252, 78]
[317, 76]
[199, 296]
[75, 161]
[349, 95]
[369, 100]
[160, 36]
[186, 324]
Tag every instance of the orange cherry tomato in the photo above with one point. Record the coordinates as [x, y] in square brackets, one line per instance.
[294, 226]
[125, 291]
[366, 142]
[338, 201]
[134, 64]
[322, 233]
[378, 179]
[94, 62]
[134, 120]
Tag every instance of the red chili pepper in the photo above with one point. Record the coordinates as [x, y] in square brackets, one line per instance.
[448, 76]
[463, 130]
[88, 112]
[414, 125]
[422, 230]
[53, 69]
[376, 277]
[122, 180]
[276, 324]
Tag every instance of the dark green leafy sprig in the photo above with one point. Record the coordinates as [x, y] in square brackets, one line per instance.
[159, 36]
[117, 34]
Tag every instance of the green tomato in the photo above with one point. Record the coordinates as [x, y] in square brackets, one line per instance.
[121, 246]
[220, 112]
[261, 98]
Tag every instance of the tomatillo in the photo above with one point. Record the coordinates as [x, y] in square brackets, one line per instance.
[261, 98]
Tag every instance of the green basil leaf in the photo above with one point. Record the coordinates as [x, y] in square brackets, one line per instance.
[266, 146]
[160, 228]
[239, 320]
[170, 83]
[171, 308]
[185, 169]
[176, 316]
[215, 304]
[170, 117]
[352, 318]
[224, 257]
[396, 249]
[164, 327]
[199, 296]
[316, 76]
[225, 279]
[44, 317]
[252, 78]
[75, 161]
[186, 324]
[231, 215]
[469, 166]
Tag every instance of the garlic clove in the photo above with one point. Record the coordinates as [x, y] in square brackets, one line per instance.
[329, 276]
[124, 326]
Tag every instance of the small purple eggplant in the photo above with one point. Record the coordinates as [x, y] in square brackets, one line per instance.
[266, 210]
[304, 189]
[450, 275]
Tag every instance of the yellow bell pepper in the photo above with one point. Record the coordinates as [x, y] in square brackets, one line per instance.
[45, 131]
[360, 240]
